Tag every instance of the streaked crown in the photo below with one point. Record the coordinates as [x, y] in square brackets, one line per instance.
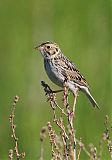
[49, 49]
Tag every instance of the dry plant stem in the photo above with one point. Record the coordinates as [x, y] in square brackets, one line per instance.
[100, 149]
[13, 129]
[42, 152]
[60, 123]
[52, 97]
[68, 139]
[79, 153]
[72, 140]
[11, 154]
[65, 101]
[62, 110]
[72, 144]
[42, 137]
[83, 147]
[52, 136]
[80, 149]
[65, 155]
[93, 152]
[106, 135]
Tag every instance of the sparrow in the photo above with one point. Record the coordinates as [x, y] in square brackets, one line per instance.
[61, 70]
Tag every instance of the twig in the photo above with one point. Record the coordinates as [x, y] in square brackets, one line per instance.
[80, 149]
[72, 140]
[106, 135]
[64, 136]
[51, 97]
[11, 154]
[70, 146]
[67, 130]
[83, 147]
[13, 129]
[42, 137]
[56, 155]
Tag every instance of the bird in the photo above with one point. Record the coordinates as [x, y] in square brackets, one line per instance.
[61, 70]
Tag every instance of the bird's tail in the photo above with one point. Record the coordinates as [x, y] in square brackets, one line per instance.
[88, 94]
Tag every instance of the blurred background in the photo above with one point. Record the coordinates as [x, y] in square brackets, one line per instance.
[82, 29]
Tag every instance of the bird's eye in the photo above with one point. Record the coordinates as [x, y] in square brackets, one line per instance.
[48, 47]
[56, 49]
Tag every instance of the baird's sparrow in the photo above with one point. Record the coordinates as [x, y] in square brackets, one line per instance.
[62, 71]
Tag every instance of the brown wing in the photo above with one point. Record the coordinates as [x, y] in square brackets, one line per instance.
[69, 70]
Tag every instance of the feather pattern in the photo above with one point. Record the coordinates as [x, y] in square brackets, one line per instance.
[59, 68]
[69, 70]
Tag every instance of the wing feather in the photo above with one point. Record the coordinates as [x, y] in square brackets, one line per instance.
[69, 70]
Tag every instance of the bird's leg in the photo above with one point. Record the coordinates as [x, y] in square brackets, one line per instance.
[72, 113]
[72, 118]
[74, 104]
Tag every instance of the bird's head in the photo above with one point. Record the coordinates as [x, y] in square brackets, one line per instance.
[48, 49]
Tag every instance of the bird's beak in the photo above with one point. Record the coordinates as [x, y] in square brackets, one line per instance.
[36, 48]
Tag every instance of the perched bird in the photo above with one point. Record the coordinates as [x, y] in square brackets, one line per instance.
[60, 70]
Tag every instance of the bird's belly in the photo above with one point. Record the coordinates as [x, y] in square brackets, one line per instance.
[72, 86]
[54, 75]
